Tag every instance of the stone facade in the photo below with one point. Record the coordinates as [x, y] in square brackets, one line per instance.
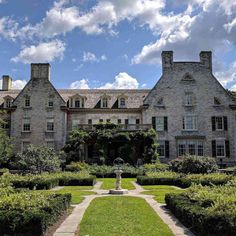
[188, 107]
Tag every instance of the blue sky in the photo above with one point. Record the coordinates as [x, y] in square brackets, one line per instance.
[114, 44]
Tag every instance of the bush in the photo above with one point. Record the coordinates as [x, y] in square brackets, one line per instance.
[76, 166]
[30, 213]
[194, 165]
[155, 167]
[38, 160]
[48, 181]
[184, 181]
[207, 210]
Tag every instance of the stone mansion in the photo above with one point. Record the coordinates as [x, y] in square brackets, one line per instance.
[190, 110]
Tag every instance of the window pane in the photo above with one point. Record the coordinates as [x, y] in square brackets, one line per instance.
[200, 148]
[220, 148]
[219, 123]
[160, 123]
[161, 149]
[191, 148]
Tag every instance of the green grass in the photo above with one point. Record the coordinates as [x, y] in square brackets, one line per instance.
[109, 183]
[159, 191]
[122, 216]
[77, 193]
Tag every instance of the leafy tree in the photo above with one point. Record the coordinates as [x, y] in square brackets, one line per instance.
[38, 159]
[5, 146]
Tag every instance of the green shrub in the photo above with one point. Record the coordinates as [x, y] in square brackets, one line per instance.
[207, 210]
[155, 167]
[30, 213]
[194, 165]
[76, 166]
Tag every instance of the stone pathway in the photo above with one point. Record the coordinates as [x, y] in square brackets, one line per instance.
[70, 227]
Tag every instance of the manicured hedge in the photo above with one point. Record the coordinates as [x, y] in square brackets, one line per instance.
[213, 214]
[48, 181]
[184, 181]
[31, 213]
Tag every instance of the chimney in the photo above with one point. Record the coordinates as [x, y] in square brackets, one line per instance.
[6, 82]
[206, 59]
[40, 71]
[167, 60]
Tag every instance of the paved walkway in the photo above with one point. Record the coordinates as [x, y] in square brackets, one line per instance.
[70, 227]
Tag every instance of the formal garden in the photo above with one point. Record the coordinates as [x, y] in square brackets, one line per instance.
[42, 192]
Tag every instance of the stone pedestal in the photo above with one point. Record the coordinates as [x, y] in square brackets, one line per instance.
[118, 189]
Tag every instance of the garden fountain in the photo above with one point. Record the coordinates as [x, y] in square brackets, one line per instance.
[118, 163]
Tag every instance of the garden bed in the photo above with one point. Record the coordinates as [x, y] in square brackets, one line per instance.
[207, 210]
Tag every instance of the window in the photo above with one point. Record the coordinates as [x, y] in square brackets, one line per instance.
[50, 144]
[75, 124]
[90, 121]
[104, 103]
[189, 99]
[190, 123]
[159, 123]
[119, 121]
[122, 103]
[100, 120]
[160, 102]
[126, 121]
[220, 148]
[219, 123]
[161, 149]
[50, 103]
[26, 125]
[25, 145]
[108, 120]
[191, 147]
[137, 121]
[77, 103]
[50, 125]
[8, 103]
[27, 102]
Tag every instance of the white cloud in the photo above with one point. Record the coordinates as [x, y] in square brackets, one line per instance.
[91, 57]
[122, 81]
[44, 52]
[18, 84]
[80, 84]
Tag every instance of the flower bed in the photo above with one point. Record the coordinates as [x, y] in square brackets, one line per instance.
[208, 210]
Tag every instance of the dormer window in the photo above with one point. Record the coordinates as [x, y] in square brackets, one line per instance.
[27, 101]
[79, 103]
[8, 103]
[104, 102]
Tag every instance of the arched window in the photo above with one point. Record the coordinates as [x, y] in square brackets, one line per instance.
[122, 103]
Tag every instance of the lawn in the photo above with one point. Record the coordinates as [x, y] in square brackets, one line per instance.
[122, 216]
[77, 192]
[109, 183]
[159, 191]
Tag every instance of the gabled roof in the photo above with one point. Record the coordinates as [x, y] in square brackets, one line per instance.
[135, 97]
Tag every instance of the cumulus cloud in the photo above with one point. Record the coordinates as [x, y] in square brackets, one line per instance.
[91, 57]
[80, 84]
[122, 81]
[43, 52]
[18, 84]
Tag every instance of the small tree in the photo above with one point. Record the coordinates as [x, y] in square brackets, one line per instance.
[38, 159]
[5, 146]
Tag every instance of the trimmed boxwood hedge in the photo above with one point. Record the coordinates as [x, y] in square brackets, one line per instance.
[202, 222]
[48, 181]
[33, 221]
[184, 181]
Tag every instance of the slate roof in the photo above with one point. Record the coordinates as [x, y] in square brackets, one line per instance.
[135, 96]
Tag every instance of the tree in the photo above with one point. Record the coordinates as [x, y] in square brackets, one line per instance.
[5, 146]
[38, 159]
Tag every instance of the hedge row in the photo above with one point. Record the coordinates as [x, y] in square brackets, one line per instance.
[202, 221]
[48, 181]
[184, 181]
[23, 214]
